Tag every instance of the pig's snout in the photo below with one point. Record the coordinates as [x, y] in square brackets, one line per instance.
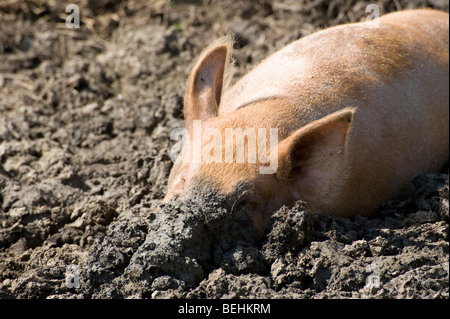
[246, 206]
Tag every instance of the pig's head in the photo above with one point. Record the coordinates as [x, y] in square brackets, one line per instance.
[304, 165]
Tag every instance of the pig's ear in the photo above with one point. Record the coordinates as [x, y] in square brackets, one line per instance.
[312, 155]
[207, 80]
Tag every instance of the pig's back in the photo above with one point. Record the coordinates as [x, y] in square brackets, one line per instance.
[322, 70]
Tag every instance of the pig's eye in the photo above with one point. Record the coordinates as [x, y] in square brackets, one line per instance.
[247, 205]
[181, 180]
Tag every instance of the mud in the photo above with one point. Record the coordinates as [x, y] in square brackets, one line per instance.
[85, 118]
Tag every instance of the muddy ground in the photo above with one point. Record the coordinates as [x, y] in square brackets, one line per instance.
[85, 117]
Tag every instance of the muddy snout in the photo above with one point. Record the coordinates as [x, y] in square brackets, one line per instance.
[244, 206]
